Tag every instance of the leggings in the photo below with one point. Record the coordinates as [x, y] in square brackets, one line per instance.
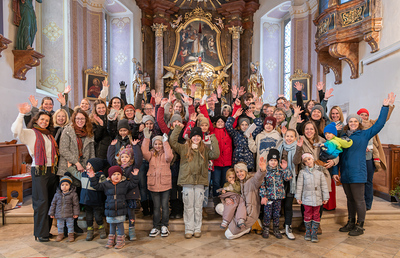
[272, 210]
[288, 209]
[114, 226]
[355, 200]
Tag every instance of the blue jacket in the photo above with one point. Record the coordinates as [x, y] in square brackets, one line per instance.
[353, 168]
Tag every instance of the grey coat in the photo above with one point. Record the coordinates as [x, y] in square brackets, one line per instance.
[65, 205]
[312, 188]
[69, 150]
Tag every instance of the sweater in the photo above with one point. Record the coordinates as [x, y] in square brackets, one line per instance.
[263, 142]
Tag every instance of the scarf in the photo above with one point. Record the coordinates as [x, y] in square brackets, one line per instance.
[350, 132]
[80, 133]
[291, 150]
[40, 151]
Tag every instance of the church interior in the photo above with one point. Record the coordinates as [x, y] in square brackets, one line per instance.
[265, 46]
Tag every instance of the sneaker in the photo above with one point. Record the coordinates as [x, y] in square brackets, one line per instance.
[241, 224]
[164, 231]
[154, 232]
[188, 235]
[289, 232]
[224, 224]
[197, 234]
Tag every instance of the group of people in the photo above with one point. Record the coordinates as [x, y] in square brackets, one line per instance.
[173, 154]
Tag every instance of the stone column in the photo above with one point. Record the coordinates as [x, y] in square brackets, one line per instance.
[236, 31]
[159, 28]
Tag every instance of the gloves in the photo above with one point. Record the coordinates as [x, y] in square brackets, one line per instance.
[122, 85]
[165, 137]
[138, 117]
[146, 133]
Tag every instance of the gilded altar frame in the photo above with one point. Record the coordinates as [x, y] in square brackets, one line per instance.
[91, 75]
[304, 79]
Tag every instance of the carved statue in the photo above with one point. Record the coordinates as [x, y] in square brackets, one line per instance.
[220, 23]
[172, 74]
[175, 23]
[220, 78]
[137, 75]
[25, 19]
[256, 81]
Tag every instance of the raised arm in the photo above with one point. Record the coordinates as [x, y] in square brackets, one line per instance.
[173, 140]
[145, 149]
[214, 151]
[137, 154]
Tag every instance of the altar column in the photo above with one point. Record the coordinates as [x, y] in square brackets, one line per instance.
[236, 31]
[159, 29]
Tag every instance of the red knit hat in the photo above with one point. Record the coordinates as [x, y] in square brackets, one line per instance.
[363, 110]
[270, 120]
[114, 169]
[129, 106]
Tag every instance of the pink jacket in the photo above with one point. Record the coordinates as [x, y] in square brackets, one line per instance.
[159, 174]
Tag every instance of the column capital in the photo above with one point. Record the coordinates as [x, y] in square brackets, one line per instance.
[159, 28]
[236, 31]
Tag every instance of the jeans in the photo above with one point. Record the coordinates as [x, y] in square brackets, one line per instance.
[97, 211]
[369, 188]
[119, 226]
[193, 197]
[207, 190]
[131, 203]
[311, 213]
[355, 201]
[144, 192]
[61, 223]
[218, 178]
[160, 201]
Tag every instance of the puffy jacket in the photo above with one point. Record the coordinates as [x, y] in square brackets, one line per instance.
[272, 186]
[116, 201]
[194, 172]
[64, 205]
[159, 173]
[312, 188]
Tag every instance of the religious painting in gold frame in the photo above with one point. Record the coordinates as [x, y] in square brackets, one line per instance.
[304, 80]
[94, 78]
[190, 44]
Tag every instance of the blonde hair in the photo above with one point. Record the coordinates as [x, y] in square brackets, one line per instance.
[55, 117]
[190, 153]
[339, 111]
[229, 172]
[131, 160]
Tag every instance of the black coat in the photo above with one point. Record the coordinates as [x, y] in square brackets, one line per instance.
[102, 138]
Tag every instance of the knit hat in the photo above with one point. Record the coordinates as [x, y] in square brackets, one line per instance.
[307, 155]
[353, 116]
[126, 150]
[362, 110]
[114, 169]
[174, 118]
[201, 119]
[244, 119]
[270, 120]
[273, 154]
[148, 118]
[156, 138]
[227, 107]
[66, 179]
[123, 123]
[241, 166]
[129, 106]
[220, 117]
[331, 128]
[320, 108]
[97, 164]
[196, 131]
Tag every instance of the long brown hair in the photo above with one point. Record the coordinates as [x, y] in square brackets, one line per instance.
[121, 101]
[96, 103]
[306, 107]
[182, 114]
[190, 152]
[34, 120]
[315, 138]
[46, 98]
[88, 128]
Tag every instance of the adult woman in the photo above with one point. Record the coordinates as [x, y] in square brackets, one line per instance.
[60, 120]
[102, 138]
[85, 105]
[310, 138]
[116, 105]
[317, 117]
[250, 191]
[77, 143]
[43, 149]
[336, 115]
[46, 105]
[353, 168]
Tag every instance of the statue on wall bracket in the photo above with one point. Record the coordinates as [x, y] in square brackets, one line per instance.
[256, 80]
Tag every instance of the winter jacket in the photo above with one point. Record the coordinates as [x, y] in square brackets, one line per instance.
[312, 187]
[116, 201]
[272, 186]
[69, 150]
[241, 152]
[102, 138]
[263, 143]
[138, 159]
[89, 195]
[159, 173]
[194, 172]
[353, 168]
[65, 205]
[335, 146]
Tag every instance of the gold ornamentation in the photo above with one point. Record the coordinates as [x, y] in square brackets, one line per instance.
[53, 82]
[236, 31]
[159, 28]
[52, 31]
[323, 27]
[352, 16]
[96, 70]
[120, 23]
[198, 12]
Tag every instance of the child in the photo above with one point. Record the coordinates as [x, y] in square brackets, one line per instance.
[272, 191]
[159, 179]
[312, 192]
[124, 136]
[92, 200]
[193, 175]
[333, 145]
[115, 188]
[232, 199]
[128, 158]
[65, 208]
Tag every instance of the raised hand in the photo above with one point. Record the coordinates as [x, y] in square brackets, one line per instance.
[284, 130]
[283, 164]
[299, 120]
[105, 83]
[179, 90]
[320, 86]
[241, 91]
[297, 111]
[135, 142]
[300, 141]
[98, 119]
[153, 93]
[219, 91]
[262, 164]
[163, 102]
[250, 114]
[135, 172]
[34, 102]
[214, 97]
[113, 142]
[339, 127]
[328, 94]
[238, 112]
[392, 98]
[298, 86]
[67, 89]
[24, 108]
[259, 104]
[158, 97]
[234, 91]
[193, 117]
[141, 127]
[61, 99]
[142, 88]
[171, 96]
[180, 125]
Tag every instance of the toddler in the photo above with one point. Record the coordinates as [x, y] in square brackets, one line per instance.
[312, 192]
[65, 208]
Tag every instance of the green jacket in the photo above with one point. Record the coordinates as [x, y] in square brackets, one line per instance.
[194, 172]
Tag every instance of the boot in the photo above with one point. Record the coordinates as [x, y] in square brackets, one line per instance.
[71, 237]
[102, 232]
[110, 242]
[77, 229]
[289, 232]
[132, 234]
[145, 208]
[351, 223]
[265, 232]
[302, 227]
[120, 242]
[151, 207]
[60, 237]
[358, 229]
[277, 233]
[314, 231]
[89, 234]
[319, 232]
[307, 236]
